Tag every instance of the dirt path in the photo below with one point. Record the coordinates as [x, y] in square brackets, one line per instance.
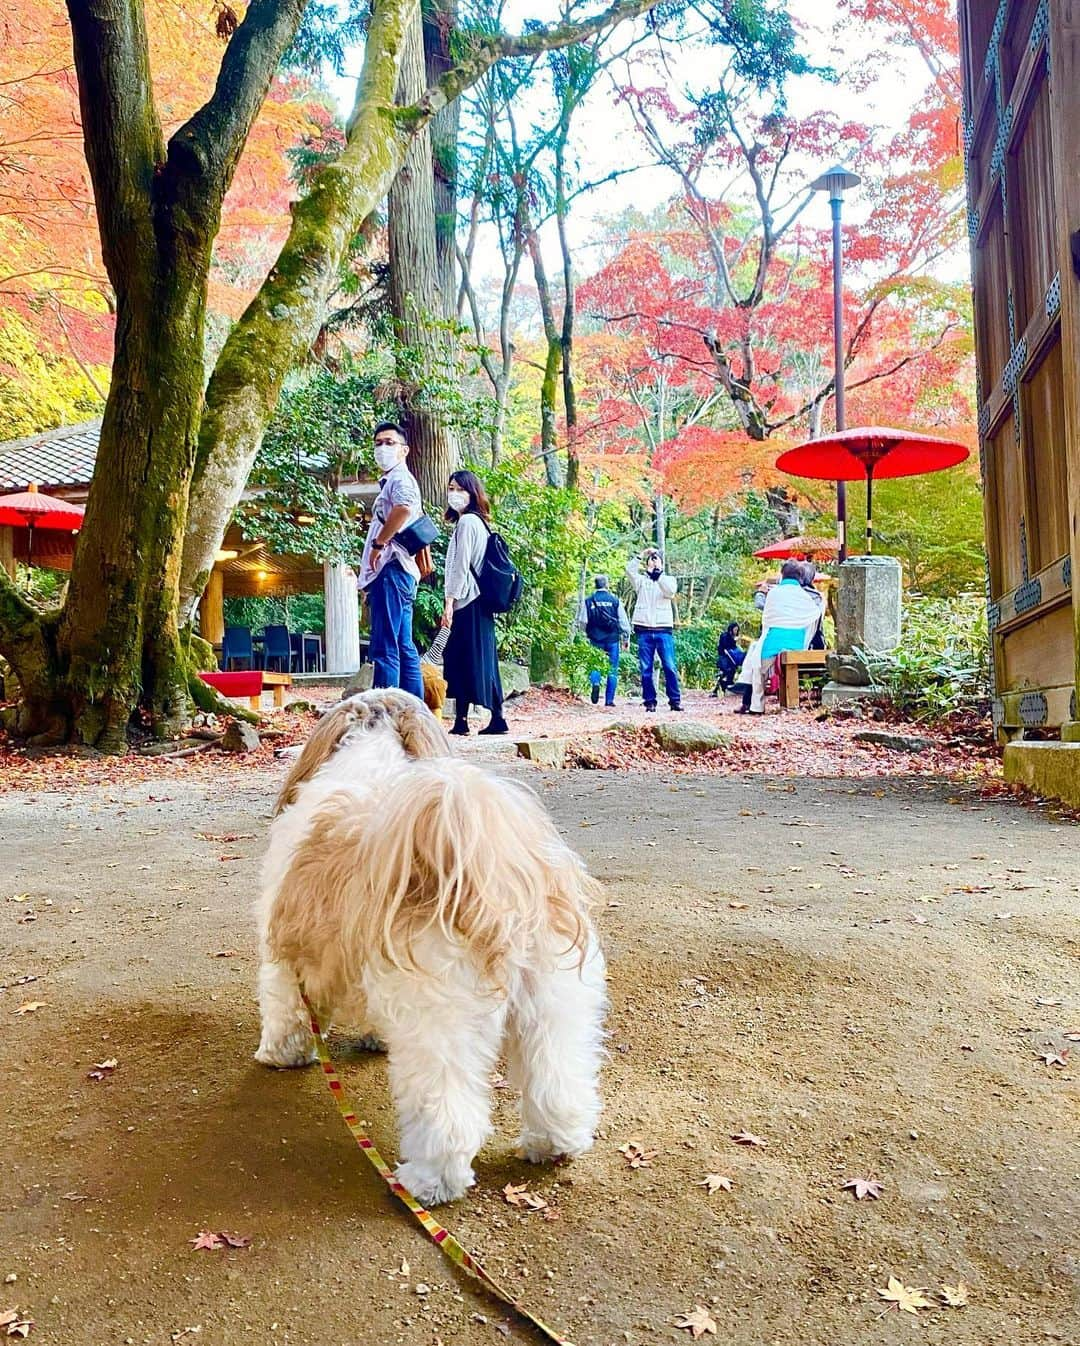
[872, 1010]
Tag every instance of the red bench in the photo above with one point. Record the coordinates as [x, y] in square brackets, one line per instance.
[249, 683]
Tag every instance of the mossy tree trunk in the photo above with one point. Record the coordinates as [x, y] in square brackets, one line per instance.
[172, 462]
[417, 300]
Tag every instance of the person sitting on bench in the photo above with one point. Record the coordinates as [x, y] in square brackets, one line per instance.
[791, 616]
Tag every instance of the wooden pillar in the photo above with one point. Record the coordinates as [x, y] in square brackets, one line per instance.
[212, 608]
[1064, 50]
[7, 550]
[342, 637]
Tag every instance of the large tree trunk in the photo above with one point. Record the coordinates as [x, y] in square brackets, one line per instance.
[416, 300]
[440, 19]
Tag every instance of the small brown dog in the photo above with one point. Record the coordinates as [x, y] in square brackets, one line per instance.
[434, 688]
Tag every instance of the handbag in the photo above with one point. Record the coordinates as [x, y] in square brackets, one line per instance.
[414, 537]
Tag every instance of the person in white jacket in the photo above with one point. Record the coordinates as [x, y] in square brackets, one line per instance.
[791, 615]
[654, 625]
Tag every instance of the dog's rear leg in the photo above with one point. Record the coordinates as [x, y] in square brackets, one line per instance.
[556, 1047]
[443, 1038]
[286, 1036]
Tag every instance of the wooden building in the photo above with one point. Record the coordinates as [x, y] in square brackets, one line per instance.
[1021, 67]
[61, 463]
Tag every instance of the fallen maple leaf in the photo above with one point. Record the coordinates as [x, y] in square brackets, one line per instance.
[14, 1324]
[955, 1296]
[102, 1069]
[748, 1138]
[31, 1006]
[227, 953]
[635, 1156]
[519, 1195]
[235, 1240]
[1052, 1058]
[904, 1298]
[206, 1238]
[1072, 1035]
[863, 1187]
[697, 1323]
[715, 1182]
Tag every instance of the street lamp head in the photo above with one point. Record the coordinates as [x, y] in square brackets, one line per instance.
[836, 181]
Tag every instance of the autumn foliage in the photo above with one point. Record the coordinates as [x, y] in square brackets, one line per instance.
[56, 306]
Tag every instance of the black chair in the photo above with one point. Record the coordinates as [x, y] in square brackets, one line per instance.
[296, 648]
[236, 649]
[277, 649]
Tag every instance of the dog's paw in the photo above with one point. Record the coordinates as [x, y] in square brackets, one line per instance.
[369, 1042]
[431, 1186]
[297, 1049]
[541, 1149]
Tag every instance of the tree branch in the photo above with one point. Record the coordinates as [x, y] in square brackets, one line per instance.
[121, 132]
[208, 145]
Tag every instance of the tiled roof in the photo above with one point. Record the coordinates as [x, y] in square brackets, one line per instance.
[63, 457]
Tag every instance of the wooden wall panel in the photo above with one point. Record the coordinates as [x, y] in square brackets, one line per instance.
[1005, 508]
[1032, 208]
[1040, 653]
[1042, 396]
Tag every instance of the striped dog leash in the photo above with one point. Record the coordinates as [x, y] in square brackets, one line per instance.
[435, 1231]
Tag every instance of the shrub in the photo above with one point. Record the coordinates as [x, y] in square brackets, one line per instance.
[942, 665]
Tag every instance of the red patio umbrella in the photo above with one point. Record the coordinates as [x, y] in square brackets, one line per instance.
[871, 451]
[31, 509]
[810, 548]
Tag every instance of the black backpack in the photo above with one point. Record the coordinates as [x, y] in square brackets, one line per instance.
[498, 579]
[602, 622]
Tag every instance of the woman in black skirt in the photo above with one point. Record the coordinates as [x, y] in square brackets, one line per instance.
[470, 661]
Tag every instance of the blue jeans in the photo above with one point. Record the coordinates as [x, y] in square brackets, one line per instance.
[611, 649]
[649, 645]
[390, 603]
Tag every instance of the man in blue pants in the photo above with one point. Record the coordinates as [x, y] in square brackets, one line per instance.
[603, 619]
[654, 626]
[388, 574]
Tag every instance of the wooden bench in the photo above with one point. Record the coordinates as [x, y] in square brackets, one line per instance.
[792, 663]
[249, 684]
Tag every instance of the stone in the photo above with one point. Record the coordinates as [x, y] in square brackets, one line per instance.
[847, 669]
[300, 707]
[543, 751]
[515, 679]
[835, 694]
[240, 737]
[868, 598]
[684, 737]
[1050, 769]
[361, 681]
[898, 742]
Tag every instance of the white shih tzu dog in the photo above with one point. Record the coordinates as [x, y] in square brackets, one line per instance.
[436, 904]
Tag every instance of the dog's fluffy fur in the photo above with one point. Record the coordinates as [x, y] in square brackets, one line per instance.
[437, 904]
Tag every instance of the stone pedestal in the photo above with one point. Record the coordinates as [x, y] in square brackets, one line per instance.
[868, 604]
[868, 601]
[342, 643]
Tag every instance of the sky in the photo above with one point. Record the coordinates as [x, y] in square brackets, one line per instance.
[607, 138]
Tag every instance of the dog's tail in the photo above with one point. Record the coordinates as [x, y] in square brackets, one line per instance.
[452, 851]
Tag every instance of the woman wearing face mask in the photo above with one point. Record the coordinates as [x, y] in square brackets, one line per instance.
[470, 662]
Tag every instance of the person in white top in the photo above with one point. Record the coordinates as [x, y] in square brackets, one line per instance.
[470, 660]
[654, 626]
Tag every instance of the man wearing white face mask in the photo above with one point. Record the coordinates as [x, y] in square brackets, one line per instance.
[388, 574]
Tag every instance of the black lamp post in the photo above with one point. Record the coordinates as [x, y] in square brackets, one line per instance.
[836, 181]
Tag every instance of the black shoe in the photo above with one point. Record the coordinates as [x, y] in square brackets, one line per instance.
[609, 705]
[496, 727]
[594, 693]
[460, 727]
[742, 710]
[652, 707]
[674, 707]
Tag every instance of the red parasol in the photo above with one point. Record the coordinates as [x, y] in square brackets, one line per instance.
[31, 509]
[808, 548]
[871, 451]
